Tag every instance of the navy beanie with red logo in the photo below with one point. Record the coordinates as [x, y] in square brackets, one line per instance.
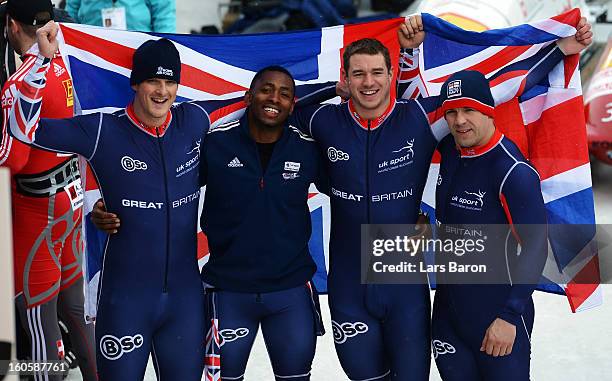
[467, 88]
[156, 59]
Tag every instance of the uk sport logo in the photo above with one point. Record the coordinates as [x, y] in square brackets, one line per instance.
[478, 196]
[131, 165]
[196, 147]
[344, 331]
[113, 348]
[335, 155]
[228, 335]
[441, 348]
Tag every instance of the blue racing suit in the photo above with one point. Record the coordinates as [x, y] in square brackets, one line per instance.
[258, 226]
[151, 296]
[377, 173]
[488, 185]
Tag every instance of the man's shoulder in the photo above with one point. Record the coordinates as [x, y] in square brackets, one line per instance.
[323, 110]
[509, 159]
[300, 136]
[224, 129]
[19, 74]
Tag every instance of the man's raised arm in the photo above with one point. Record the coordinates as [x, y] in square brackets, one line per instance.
[73, 135]
[411, 35]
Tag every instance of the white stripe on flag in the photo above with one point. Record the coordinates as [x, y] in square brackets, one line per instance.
[92, 59]
[332, 40]
[594, 300]
[132, 39]
[429, 194]
[566, 183]
[455, 66]
[554, 27]
[533, 108]
[440, 129]
[506, 90]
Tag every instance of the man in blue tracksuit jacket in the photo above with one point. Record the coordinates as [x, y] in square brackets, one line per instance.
[145, 159]
[257, 171]
[377, 150]
[482, 332]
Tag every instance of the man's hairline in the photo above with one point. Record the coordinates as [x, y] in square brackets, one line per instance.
[389, 69]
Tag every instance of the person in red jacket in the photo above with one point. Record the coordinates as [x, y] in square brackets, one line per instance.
[47, 204]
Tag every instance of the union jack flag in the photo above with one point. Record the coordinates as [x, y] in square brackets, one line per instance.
[221, 67]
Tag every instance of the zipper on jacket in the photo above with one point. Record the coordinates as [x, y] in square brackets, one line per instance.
[161, 151]
[261, 170]
[367, 165]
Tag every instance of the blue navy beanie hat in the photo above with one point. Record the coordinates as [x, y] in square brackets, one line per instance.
[467, 88]
[156, 59]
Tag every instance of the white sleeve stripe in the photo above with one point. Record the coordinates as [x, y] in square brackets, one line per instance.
[205, 113]
[311, 118]
[301, 134]
[97, 137]
[224, 127]
[508, 152]
[516, 163]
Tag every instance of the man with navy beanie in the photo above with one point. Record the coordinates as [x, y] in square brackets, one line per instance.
[145, 158]
[482, 332]
[156, 59]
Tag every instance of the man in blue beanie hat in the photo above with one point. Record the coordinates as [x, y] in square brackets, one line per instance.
[482, 332]
[150, 296]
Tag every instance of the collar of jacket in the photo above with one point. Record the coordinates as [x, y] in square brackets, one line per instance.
[484, 148]
[129, 111]
[374, 123]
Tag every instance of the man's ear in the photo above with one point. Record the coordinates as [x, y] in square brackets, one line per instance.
[248, 97]
[134, 87]
[12, 25]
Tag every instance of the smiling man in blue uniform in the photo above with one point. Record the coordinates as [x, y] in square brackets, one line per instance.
[150, 299]
[483, 331]
[257, 171]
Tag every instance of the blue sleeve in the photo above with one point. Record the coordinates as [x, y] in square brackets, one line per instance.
[522, 199]
[303, 118]
[310, 95]
[163, 15]
[222, 110]
[322, 181]
[78, 135]
[203, 162]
